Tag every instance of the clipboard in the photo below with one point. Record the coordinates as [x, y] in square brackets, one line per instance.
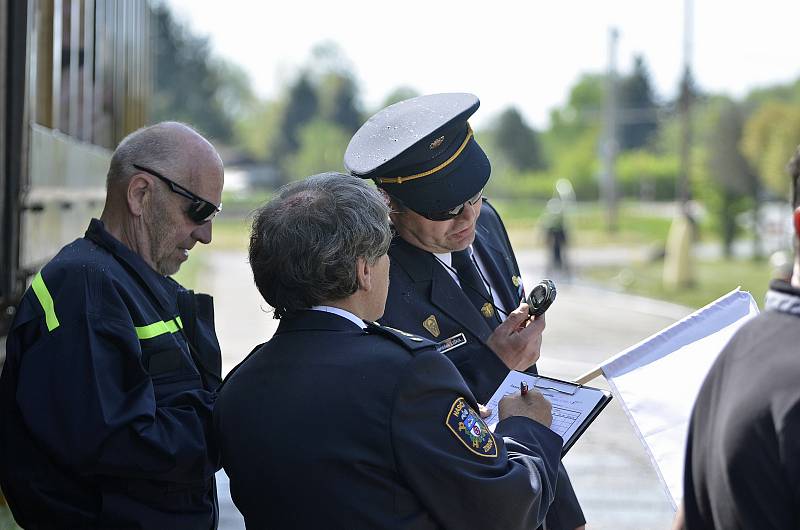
[575, 406]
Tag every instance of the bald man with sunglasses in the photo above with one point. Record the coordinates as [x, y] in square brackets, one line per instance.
[454, 277]
[107, 391]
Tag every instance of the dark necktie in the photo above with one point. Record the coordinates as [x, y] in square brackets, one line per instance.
[474, 287]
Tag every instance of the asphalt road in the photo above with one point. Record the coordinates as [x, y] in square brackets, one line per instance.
[610, 469]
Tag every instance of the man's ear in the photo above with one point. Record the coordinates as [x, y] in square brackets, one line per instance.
[138, 189]
[393, 205]
[796, 219]
[364, 274]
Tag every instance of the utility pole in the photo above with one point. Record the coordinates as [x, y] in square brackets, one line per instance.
[683, 191]
[678, 270]
[610, 143]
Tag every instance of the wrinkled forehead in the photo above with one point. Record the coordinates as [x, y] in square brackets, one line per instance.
[203, 174]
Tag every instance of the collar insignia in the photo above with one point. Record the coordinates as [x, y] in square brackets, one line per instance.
[431, 325]
[487, 310]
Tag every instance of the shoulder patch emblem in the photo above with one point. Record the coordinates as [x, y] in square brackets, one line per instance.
[468, 427]
[431, 325]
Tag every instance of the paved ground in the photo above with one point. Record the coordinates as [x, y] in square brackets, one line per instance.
[609, 467]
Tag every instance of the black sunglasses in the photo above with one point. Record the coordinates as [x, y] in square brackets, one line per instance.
[200, 211]
[447, 214]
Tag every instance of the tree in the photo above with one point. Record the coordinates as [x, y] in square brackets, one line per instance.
[331, 72]
[637, 108]
[189, 85]
[771, 135]
[338, 96]
[322, 146]
[735, 184]
[300, 107]
[571, 143]
[399, 94]
[581, 113]
[517, 142]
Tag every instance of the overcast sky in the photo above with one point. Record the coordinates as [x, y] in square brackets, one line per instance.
[526, 53]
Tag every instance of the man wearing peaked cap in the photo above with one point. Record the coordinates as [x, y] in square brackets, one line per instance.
[454, 277]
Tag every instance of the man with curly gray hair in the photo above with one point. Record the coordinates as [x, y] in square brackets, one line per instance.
[338, 422]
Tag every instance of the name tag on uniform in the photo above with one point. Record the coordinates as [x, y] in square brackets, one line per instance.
[451, 344]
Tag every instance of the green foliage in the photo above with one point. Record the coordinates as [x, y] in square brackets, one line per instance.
[338, 101]
[190, 85]
[771, 135]
[515, 142]
[256, 131]
[789, 93]
[646, 175]
[397, 95]
[581, 114]
[712, 279]
[638, 108]
[322, 144]
[734, 186]
[532, 185]
[301, 105]
[571, 143]
[579, 163]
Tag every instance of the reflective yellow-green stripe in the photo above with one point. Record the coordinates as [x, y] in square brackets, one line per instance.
[159, 328]
[46, 300]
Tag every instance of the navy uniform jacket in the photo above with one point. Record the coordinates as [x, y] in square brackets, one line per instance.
[742, 467]
[421, 288]
[331, 426]
[106, 413]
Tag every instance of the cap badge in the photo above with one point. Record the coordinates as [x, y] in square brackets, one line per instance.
[487, 310]
[436, 143]
[431, 325]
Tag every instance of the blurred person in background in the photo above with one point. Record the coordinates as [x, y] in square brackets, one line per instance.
[554, 228]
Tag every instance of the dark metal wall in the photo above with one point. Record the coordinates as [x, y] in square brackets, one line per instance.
[13, 165]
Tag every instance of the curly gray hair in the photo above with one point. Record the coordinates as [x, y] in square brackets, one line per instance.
[305, 242]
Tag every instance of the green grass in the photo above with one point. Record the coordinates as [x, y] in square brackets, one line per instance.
[239, 203]
[587, 224]
[712, 279]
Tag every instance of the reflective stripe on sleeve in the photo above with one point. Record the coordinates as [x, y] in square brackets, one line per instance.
[46, 301]
[159, 328]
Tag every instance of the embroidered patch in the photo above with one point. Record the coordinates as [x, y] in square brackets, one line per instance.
[469, 428]
[487, 310]
[431, 325]
[451, 344]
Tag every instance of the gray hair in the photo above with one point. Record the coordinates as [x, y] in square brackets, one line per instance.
[305, 242]
[161, 147]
